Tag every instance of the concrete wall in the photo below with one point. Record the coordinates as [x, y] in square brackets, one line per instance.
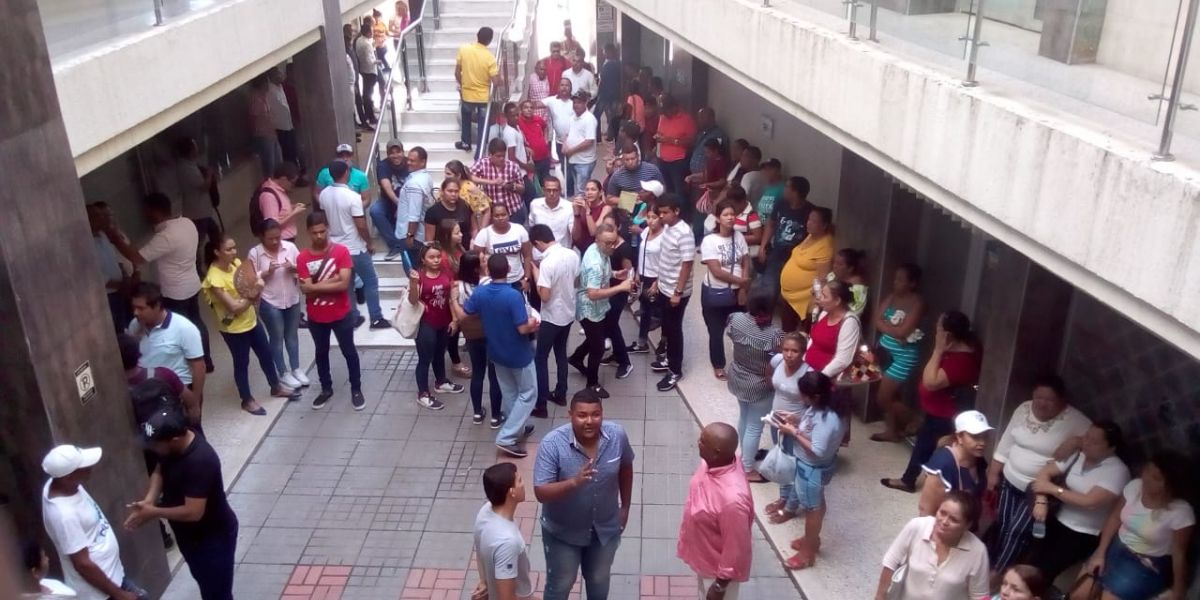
[1098, 213]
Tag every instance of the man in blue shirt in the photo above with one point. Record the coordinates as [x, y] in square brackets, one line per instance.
[414, 196]
[358, 179]
[507, 325]
[706, 125]
[582, 470]
[608, 97]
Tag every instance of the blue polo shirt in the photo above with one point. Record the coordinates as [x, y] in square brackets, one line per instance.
[171, 344]
[358, 180]
[596, 506]
[502, 309]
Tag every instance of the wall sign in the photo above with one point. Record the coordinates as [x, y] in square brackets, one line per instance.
[84, 383]
[606, 17]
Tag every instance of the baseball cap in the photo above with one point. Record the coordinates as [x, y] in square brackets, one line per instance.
[66, 459]
[972, 422]
[166, 423]
[394, 144]
[581, 95]
[654, 187]
[343, 148]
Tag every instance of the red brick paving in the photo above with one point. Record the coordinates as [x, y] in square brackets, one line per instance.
[662, 587]
[316, 582]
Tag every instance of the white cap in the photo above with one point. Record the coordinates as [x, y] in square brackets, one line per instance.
[654, 187]
[345, 148]
[67, 459]
[972, 422]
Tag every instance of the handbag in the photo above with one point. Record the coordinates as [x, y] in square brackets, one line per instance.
[408, 318]
[718, 297]
[895, 589]
[778, 466]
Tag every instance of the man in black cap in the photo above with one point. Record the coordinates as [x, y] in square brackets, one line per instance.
[391, 173]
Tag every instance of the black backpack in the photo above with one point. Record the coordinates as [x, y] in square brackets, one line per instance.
[256, 215]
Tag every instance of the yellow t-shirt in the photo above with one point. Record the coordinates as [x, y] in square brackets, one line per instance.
[478, 66]
[219, 279]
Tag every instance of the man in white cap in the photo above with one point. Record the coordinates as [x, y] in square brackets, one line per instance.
[86, 543]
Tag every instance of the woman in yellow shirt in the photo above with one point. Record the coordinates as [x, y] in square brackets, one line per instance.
[810, 261]
[237, 318]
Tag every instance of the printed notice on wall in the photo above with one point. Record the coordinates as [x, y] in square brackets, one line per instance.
[84, 383]
[606, 17]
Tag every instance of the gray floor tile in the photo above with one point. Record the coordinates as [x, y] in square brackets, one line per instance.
[378, 453]
[333, 547]
[628, 559]
[364, 481]
[329, 451]
[349, 512]
[314, 480]
[444, 550]
[297, 511]
[661, 520]
[280, 450]
[673, 433]
[665, 488]
[402, 514]
[435, 428]
[414, 482]
[456, 516]
[666, 407]
[761, 586]
[263, 479]
[425, 454]
[277, 546]
[388, 427]
[393, 549]
[245, 538]
[298, 420]
[260, 580]
[658, 558]
[668, 459]
[252, 509]
[344, 425]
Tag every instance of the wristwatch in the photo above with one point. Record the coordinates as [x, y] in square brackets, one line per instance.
[1059, 492]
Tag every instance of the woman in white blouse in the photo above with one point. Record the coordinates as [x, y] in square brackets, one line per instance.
[1043, 429]
[938, 558]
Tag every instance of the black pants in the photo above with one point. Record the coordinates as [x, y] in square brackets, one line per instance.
[480, 366]
[542, 168]
[672, 330]
[715, 319]
[368, 100]
[612, 327]
[551, 338]
[190, 308]
[452, 348]
[651, 309]
[211, 562]
[288, 147]
[1060, 549]
[674, 172]
[592, 349]
[344, 331]
[927, 436]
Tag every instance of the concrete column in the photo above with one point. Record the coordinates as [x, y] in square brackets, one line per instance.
[323, 88]
[54, 312]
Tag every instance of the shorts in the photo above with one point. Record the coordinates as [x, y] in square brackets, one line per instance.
[810, 484]
[1130, 576]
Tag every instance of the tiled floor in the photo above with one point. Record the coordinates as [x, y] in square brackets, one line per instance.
[380, 504]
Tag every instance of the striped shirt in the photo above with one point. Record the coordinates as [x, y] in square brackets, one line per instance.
[624, 180]
[596, 505]
[678, 245]
[749, 373]
[508, 173]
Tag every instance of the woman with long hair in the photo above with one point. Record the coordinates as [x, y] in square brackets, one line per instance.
[590, 210]
[470, 192]
[469, 271]
[898, 320]
[848, 265]
[815, 434]
[755, 338]
[723, 291]
[808, 264]
[622, 259]
[237, 320]
[275, 261]
[449, 237]
[430, 285]
[1024, 582]
[649, 248]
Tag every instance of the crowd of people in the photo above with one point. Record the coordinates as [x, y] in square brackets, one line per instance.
[507, 258]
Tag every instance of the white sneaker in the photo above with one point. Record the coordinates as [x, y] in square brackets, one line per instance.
[290, 381]
[607, 345]
[299, 375]
[449, 387]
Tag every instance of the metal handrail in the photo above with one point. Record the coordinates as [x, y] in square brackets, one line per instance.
[388, 100]
[480, 147]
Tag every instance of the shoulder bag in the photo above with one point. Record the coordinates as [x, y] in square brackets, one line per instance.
[408, 317]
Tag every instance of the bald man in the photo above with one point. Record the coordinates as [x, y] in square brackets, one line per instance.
[714, 537]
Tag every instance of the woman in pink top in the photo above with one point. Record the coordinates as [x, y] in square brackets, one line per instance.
[275, 261]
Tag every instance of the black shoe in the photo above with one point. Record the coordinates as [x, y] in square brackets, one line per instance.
[357, 400]
[514, 450]
[667, 383]
[579, 366]
[540, 413]
[381, 324]
[322, 399]
[638, 348]
[359, 321]
[168, 541]
[477, 419]
[303, 322]
[525, 433]
[360, 296]
[659, 366]
[461, 146]
[624, 371]
[496, 422]
[600, 391]
[558, 399]
[609, 361]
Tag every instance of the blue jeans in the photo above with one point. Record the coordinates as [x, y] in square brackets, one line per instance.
[520, 216]
[564, 560]
[385, 224]
[750, 428]
[269, 154]
[364, 268]
[283, 327]
[580, 174]
[551, 337]
[518, 387]
[240, 345]
[343, 329]
[431, 348]
[479, 365]
[787, 491]
[472, 111]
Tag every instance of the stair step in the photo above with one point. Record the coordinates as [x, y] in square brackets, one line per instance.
[495, 20]
[467, 6]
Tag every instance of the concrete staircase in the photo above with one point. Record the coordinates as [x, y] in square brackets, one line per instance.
[433, 124]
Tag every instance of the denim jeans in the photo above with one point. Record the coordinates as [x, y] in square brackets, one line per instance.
[385, 224]
[672, 330]
[518, 387]
[472, 111]
[283, 328]
[564, 561]
[581, 173]
[612, 327]
[269, 155]
[364, 268]
[343, 329]
[750, 428]
[715, 320]
[431, 348]
[211, 563]
[240, 345]
[477, 349]
[551, 337]
[787, 491]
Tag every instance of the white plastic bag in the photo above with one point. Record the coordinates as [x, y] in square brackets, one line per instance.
[778, 466]
[408, 318]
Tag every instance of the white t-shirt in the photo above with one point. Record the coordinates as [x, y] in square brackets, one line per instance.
[1150, 532]
[57, 590]
[1028, 444]
[513, 138]
[342, 204]
[172, 249]
[559, 268]
[560, 220]
[650, 250]
[787, 387]
[561, 113]
[728, 252]
[76, 523]
[501, 552]
[1110, 474]
[508, 244]
[584, 80]
[581, 128]
[678, 246]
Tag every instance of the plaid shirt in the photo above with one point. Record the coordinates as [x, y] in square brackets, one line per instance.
[510, 172]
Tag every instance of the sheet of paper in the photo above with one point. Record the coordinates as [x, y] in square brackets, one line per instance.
[628, 201]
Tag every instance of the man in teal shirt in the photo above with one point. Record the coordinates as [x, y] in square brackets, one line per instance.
[358, 179]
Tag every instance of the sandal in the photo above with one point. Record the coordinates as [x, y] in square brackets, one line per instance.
[800, 560]
[719, 374]
[781, 516]
[897, 484]
[774, 507]
[755, 477]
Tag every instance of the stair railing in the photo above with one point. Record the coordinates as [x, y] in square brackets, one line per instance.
[388, 102]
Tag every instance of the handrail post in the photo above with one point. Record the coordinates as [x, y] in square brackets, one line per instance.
[421, 58]
[874, 20]
[852, 16]
[158, 12]
[974, 41]
[1185, 46]
[404, 71]
[437, 15]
